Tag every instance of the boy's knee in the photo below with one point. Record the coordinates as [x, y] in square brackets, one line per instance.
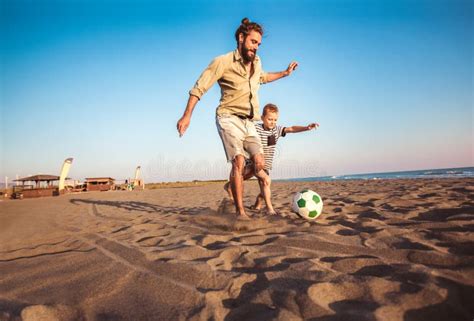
[267, 180]
[264, 179]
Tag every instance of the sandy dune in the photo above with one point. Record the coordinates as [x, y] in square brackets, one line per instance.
[382, 250]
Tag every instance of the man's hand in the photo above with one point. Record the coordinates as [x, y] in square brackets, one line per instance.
[291, 67]
[183, 124]
[313, 126]
[272, 76]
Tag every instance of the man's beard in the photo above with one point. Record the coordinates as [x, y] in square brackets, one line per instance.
[245, 54]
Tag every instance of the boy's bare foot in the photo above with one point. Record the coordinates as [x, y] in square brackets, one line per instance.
[272, 212]
[258, 203]
[228, 190]
[255, 208]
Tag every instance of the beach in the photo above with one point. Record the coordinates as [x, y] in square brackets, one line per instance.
[381, 250]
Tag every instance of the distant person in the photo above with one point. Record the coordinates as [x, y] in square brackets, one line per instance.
[239, 73]
[269, 133]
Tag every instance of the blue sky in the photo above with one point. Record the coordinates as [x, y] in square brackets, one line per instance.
[104, 82]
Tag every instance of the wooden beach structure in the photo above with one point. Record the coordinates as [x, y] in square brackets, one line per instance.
[39, 186]
[100, 183]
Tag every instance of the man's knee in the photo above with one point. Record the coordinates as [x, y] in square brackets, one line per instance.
[259, 162]
[238, 165]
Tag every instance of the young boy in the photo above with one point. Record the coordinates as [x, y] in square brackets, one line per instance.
[269, 133]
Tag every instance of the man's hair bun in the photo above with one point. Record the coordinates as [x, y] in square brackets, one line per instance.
[245, 27]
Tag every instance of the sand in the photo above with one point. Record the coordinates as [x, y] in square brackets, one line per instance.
[382, 250]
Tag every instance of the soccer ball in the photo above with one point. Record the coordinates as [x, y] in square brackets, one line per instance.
[308, 204]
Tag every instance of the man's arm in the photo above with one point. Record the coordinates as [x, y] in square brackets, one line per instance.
[272, 76]
[183, 122]
[298, 129]
[206, 80]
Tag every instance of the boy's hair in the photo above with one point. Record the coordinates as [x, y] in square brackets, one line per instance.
[245, 27]
[269, 108]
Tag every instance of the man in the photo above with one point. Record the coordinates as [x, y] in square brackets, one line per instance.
[239, 74]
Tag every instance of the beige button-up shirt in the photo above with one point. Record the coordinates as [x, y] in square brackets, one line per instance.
[239, 91]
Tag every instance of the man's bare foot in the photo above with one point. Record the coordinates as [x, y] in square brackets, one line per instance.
[243, 216]
[229, 191]
[272, 212]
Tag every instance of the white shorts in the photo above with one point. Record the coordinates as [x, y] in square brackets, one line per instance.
[239, 136]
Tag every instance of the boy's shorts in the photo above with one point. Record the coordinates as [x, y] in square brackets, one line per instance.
[249, 164]
[239, 136]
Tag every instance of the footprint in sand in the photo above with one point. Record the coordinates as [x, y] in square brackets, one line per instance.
[50, 313]
[374, 298]
[350, 264]
[228, 259]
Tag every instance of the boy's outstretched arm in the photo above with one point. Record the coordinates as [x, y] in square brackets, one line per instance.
[298, 129]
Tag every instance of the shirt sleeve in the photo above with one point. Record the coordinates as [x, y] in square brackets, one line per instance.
[263, 77]
[281, 131]
[208, 77]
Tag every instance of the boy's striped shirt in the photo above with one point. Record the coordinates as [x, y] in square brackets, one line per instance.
[269, 151]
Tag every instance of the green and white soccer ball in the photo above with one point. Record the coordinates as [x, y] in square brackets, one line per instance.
[308, 204]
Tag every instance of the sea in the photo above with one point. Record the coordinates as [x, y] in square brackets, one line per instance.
[425, 173]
